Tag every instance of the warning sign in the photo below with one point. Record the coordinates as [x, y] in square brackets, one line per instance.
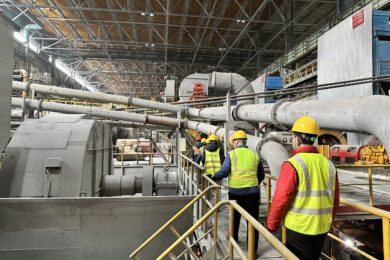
[358, 19]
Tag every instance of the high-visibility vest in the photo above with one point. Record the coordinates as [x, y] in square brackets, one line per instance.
[312, 207]
[244, 164]
[212, 162]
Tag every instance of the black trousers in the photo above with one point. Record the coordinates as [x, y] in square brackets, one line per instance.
[251, 204]
[305, 247]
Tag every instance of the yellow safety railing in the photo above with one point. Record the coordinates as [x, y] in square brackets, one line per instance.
[369, 177]
[253, 225]
[191, 177]
[194, 181]
[384, 215]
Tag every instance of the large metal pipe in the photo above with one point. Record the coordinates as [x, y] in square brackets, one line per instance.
[271, 151]
[96, 96]
[95, 111]
[363, 115]
[233, 83]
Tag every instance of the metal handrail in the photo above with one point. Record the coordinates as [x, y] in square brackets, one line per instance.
[252, 224]
[369, 167]
[169, 222]
[385, 215]
[213, 186]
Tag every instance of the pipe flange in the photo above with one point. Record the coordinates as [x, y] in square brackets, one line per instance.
[199, 111]
[273, 113]
[265, 140]
[182, 111]
[28, 84]
[129, 100]
[234, 112]
[40, 105]
[146, 119]
[183, 123]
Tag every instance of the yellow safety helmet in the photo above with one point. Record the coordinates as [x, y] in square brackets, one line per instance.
[207, 141]
[213, 137]
[239, 134]
[306, 125]
[204, 140]
[230, 142]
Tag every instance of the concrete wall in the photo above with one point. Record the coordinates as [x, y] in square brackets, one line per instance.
[345, 53]
[86, 228]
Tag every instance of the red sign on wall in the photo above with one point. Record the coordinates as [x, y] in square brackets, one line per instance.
[358, 19]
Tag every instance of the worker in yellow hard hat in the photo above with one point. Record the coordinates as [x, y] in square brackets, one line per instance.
[245, 171]
[200, 142]
[306, 195]
[211, 156]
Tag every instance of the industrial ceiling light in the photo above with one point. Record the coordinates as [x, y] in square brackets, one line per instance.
[143, 14]
[222, 49]
[152, 44]
[151, 14]
[146, 44]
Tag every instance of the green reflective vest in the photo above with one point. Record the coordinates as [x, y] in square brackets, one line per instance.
[312, 207]
[212, 162]
[244, 164]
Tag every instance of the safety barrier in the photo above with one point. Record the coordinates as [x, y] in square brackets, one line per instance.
[195, 182]
[253, 225]
[369, 177]
[192, 177]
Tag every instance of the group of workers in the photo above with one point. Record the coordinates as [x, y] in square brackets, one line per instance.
[306, 197]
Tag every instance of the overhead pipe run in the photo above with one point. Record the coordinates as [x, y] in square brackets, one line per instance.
[232, 83]
[271, 151]
[362, 115]
[95, 96]
[95, 111]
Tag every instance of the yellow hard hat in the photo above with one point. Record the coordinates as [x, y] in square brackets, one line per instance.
[230, 142]
[207, 141]
[213, 137]
[306, 125]
[204, 140]
[239, 134]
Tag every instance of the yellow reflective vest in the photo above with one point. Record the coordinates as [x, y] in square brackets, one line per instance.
[212, 162]
[244, 164]
[312, 207]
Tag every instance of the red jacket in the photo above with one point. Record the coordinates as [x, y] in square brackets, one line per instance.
[286, 188]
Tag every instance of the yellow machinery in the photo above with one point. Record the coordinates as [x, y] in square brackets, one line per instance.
[374, 155]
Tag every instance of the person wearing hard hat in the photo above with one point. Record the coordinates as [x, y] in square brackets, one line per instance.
[245, 171]
[307, 194]
[211, 156]
[200, 142]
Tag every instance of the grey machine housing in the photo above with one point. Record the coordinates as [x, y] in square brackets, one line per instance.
[57, 156]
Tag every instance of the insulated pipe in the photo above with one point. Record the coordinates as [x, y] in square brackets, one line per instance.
[233, 83]
[94, 111]
[271, 151]
[216, 113]
[363, 115]
[96, 96]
